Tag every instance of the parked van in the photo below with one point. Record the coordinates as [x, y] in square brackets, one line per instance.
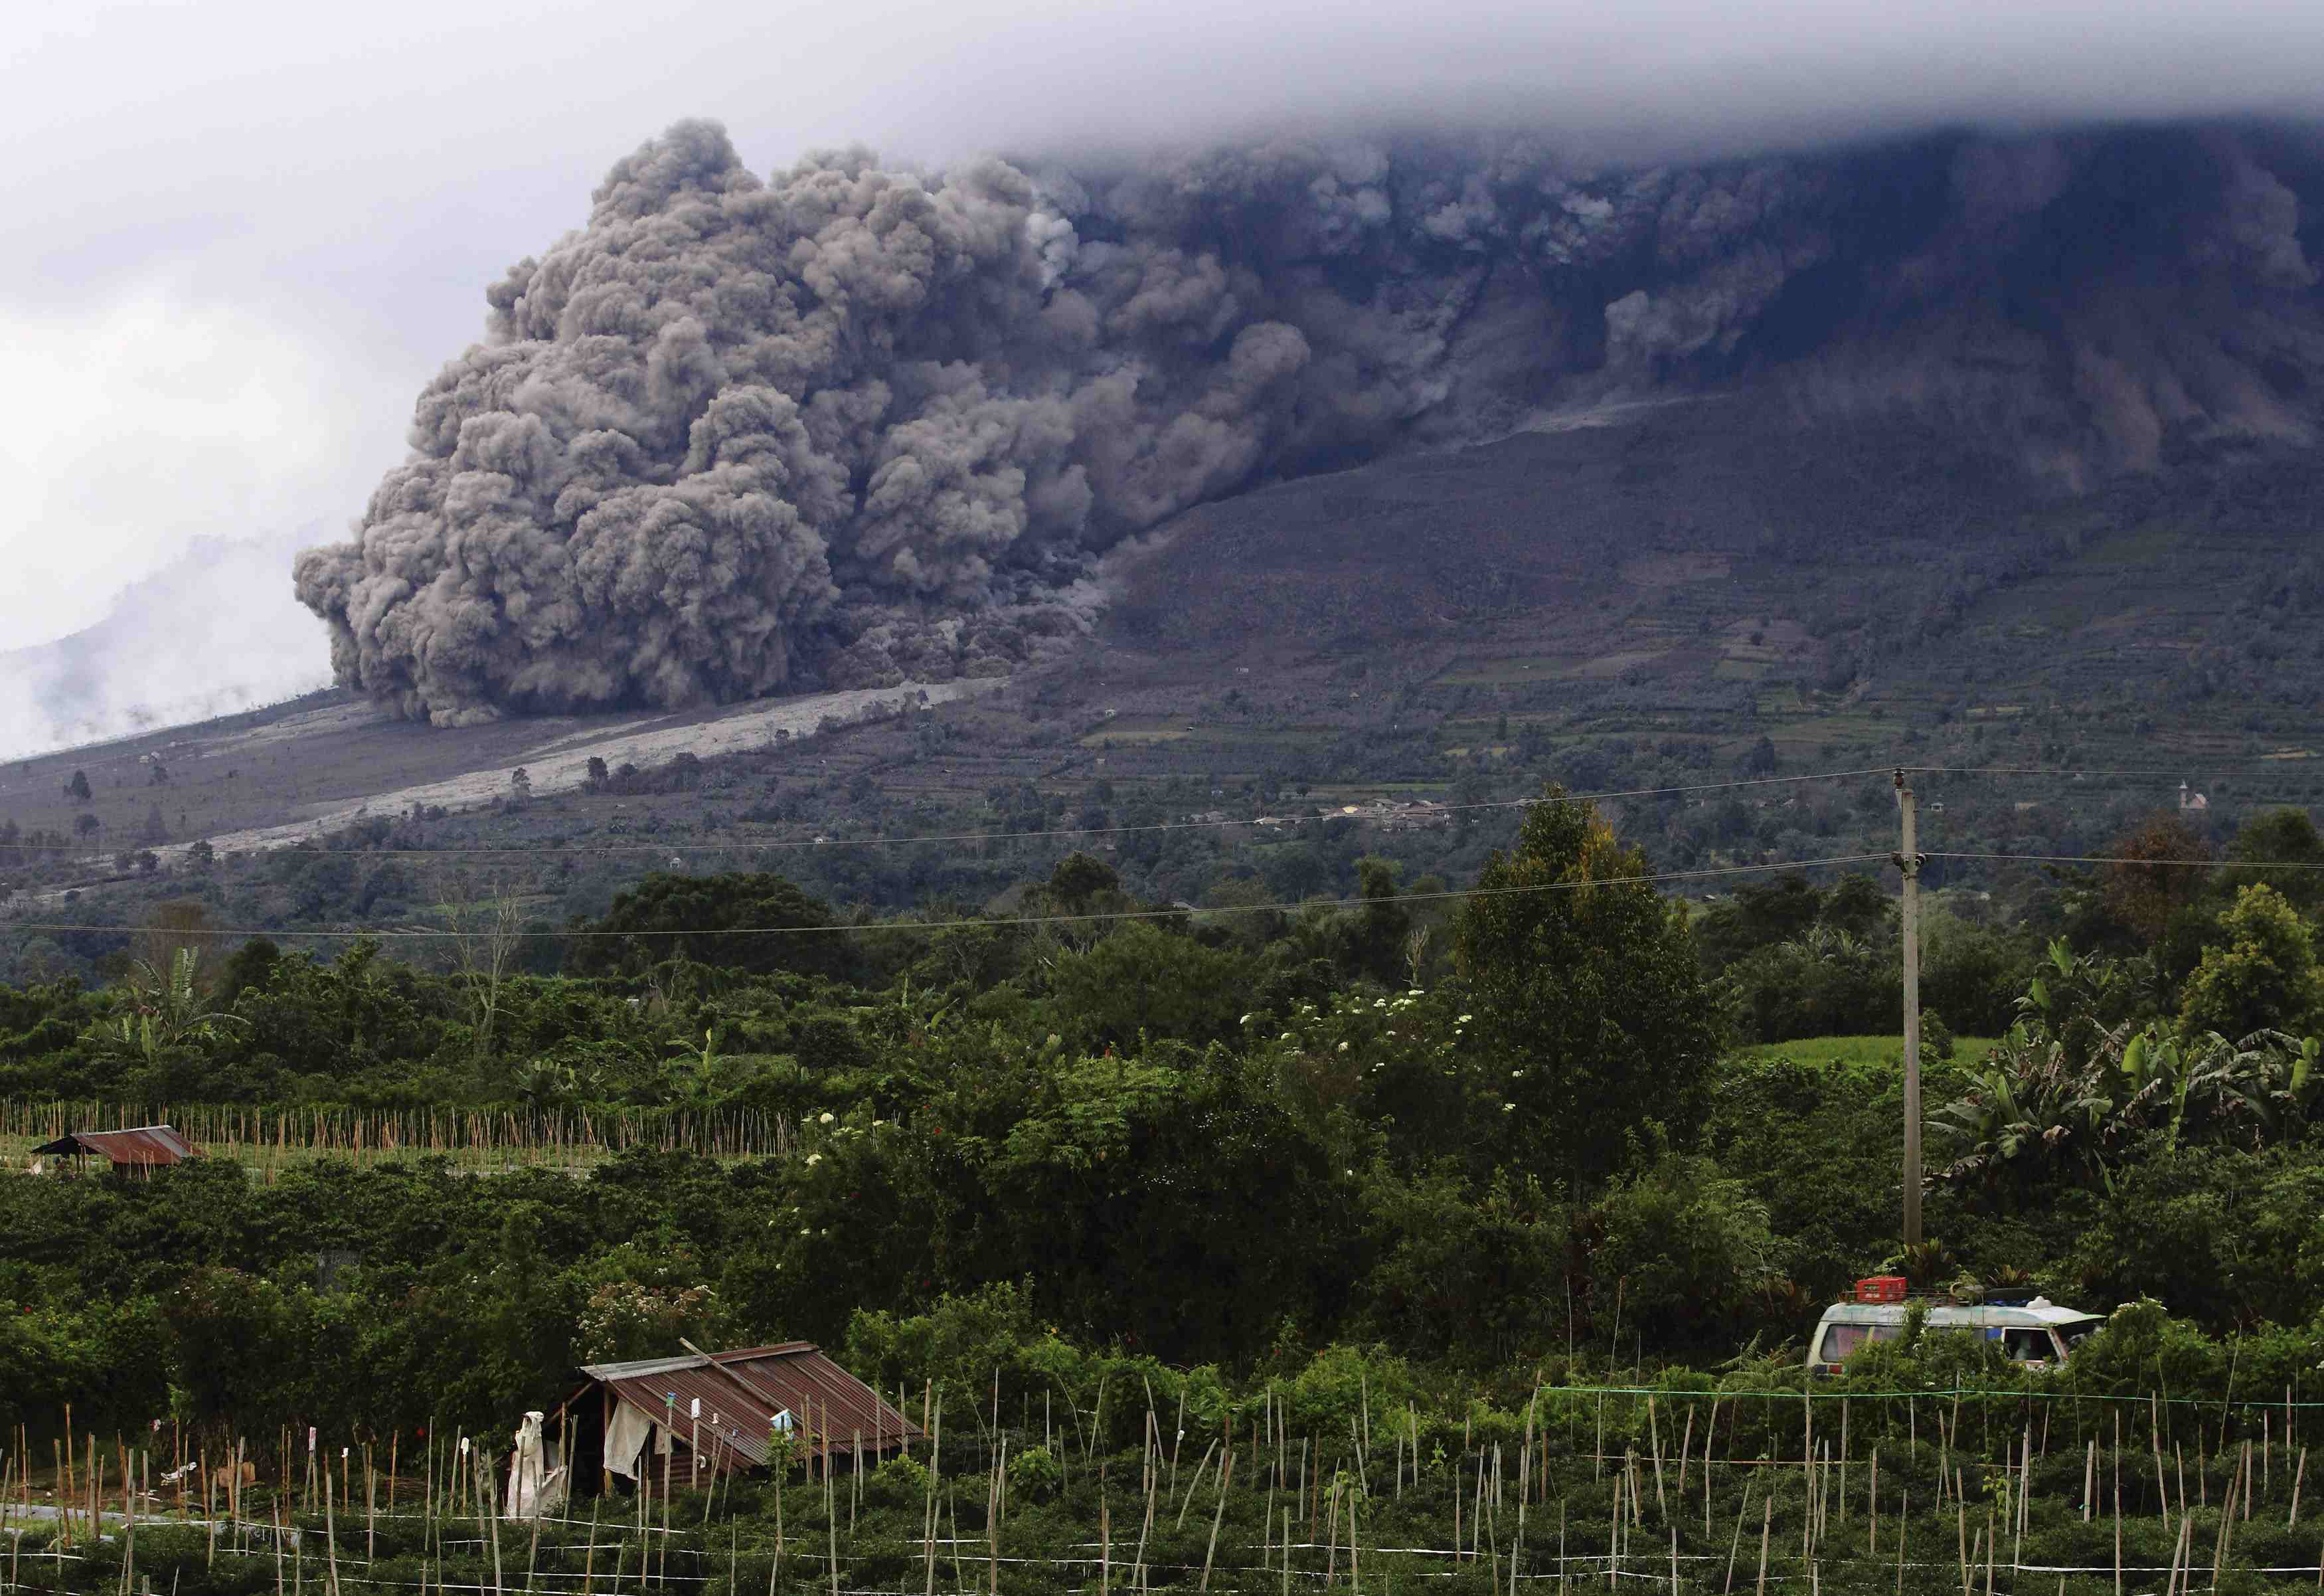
[2036, 1333]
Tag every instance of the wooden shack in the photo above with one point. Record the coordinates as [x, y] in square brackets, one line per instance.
[140, 1149]
[703, 1412]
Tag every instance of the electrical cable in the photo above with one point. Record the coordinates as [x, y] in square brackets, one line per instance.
[2109, 859]
[2286, 768]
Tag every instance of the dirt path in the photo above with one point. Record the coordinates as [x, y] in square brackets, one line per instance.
[561, 763]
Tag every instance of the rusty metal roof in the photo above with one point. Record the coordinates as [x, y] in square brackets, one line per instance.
[742, 1392]
[145, 1145]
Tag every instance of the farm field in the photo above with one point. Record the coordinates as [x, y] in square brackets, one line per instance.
[1685, 1484]
[476, 1141]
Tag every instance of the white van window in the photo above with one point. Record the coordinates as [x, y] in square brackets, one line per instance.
[2027, 1345]
[1841, 1340]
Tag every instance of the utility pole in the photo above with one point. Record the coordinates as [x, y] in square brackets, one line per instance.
[1909, 860]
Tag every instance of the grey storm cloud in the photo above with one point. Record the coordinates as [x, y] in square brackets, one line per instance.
[848, 423]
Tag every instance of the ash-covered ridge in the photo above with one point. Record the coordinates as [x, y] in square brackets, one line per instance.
[849, 425]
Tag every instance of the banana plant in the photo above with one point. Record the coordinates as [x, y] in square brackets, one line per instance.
[164, 1009]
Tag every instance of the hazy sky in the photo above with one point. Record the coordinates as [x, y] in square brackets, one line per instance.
[240, 234]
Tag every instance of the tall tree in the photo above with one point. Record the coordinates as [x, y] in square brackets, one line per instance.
[754, 922]
[1588, 989]
[2283, 849]
[2157, 878]
[2263, 975]
[485, 917]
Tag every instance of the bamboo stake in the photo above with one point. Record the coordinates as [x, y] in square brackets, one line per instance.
[2024, 1493]
[1138, 1571]
[2118, 1513]
[1193, 1480]
[935, 1455]
[1655, 1436]
[1226, 1476]
[589, 1556]
[2227, 1528]
[128, 1528]
[1179, 1434]
[1904, 1527]
[1736, 1545]
[1767, 1530]
[1962, 1507]
[1516, 1544]
[1872, 1510]
[1331, 1536]
[330, 1534]
[482, 1473]
[1685, 1446]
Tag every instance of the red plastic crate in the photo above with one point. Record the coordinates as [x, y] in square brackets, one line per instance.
[1880, 1288]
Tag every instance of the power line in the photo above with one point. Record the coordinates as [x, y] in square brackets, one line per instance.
[2112, 859]
[2287, 768]
[1095, 916]
[800, 843]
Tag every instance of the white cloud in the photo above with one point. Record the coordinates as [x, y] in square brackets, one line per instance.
[131, 427]
[213, 632]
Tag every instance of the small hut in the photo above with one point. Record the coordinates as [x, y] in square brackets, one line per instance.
[139, 1151]
[711, 1411]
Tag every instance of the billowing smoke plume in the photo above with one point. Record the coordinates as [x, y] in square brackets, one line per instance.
[849, 425]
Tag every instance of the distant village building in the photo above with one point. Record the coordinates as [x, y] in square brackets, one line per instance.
[1387, 814]
[2192, 801]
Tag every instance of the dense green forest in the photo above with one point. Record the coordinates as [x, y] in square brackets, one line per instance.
[1441, 1152]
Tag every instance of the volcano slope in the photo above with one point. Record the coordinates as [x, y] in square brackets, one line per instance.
[1970, 452]
[1709, 573]
[1696, 593]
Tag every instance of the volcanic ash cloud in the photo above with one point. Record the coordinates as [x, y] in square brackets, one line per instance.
[847, 425]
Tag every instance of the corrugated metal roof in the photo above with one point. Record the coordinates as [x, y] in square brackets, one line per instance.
[742, 1392]
[145, 1145]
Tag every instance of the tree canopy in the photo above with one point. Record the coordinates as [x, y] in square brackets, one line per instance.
[1587, 983]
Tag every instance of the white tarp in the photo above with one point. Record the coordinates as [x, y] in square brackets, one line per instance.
[628, 1435]
[536, 1483]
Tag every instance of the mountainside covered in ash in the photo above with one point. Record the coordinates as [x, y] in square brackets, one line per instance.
[846, 424]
